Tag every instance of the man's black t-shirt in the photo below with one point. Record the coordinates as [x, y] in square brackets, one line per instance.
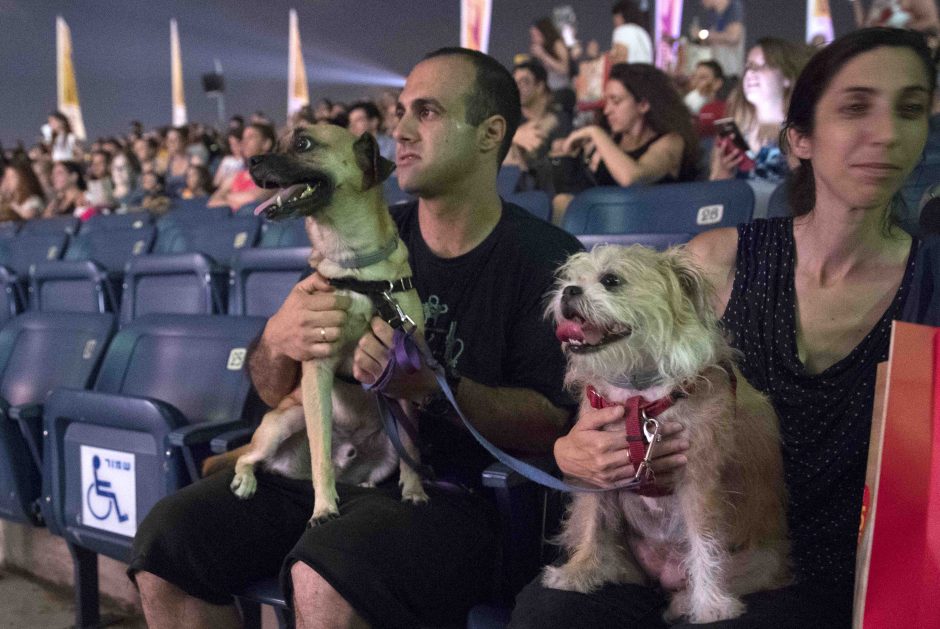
[484, 319]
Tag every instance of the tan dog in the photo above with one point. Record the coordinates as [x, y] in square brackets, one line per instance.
[635, 322]
[334, 180]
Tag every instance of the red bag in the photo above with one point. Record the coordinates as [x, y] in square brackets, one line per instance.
[897, 580]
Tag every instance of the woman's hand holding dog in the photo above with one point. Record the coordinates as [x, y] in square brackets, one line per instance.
[308, 322]
[595, 450]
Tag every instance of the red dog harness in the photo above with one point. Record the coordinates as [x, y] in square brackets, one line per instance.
[637, 418]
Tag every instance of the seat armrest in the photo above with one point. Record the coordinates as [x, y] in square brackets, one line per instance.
[228, 441]
[26, 412]
[195, 434]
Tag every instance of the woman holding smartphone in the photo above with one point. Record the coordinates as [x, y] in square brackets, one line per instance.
[758, 106]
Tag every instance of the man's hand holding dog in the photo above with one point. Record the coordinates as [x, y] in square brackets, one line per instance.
[594, 452]
[371, 358]
[309, 322]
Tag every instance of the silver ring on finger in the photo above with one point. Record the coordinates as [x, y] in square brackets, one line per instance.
[323, 334]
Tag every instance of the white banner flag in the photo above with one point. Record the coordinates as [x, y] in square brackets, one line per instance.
[297, 92]
[475, 24]
[67, 88]
[176, 65]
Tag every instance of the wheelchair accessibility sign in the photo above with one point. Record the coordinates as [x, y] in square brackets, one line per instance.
[109, 490]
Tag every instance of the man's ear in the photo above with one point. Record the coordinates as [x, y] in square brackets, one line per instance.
[491, 133]
[375, 168]
[801, 145]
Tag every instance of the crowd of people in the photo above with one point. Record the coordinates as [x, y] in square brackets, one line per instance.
[807, 300]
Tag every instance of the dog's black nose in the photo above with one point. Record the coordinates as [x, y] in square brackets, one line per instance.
[571, 291]
[255, 160]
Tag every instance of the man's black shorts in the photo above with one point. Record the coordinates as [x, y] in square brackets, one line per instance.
[399, 565]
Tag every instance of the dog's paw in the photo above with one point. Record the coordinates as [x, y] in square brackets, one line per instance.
[317, 520]
[566, 578]
[244, 484]
[678, 606]
[720, 608]
[415, 496]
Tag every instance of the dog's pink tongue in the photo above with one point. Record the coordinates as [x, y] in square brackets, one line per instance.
[283, 193]
[569, 330]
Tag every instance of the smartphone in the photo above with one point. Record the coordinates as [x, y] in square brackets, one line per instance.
[727, 128]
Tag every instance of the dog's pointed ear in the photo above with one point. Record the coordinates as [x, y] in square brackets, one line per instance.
[375, 168]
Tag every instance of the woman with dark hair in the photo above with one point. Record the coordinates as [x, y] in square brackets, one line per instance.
[651, 139]
[68, 184]
[808, 301]
[21, 196]
[548, 47]
[62, 142]
[177, 160]
[758, 105]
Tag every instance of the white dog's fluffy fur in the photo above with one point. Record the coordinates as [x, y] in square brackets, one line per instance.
[632, 312]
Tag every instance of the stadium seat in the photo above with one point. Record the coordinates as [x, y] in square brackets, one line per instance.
[71, 286]
[392, 193]
[182, 217]
[188, 283]
[285, 233]
[656, 241]
[8, 229]
[167, 385]
[260, 279]
[20, 253]
[218, 240]
[108, 222]
[112, 248]
[536, 202]
[39, 351]
[779, 204]
[57, 225]
[924, 175]
[195, 205]
[12, 294]
[665, 208]
[507, 180]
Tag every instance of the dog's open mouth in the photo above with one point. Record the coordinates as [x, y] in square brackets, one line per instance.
[300, 199]
[582, 337]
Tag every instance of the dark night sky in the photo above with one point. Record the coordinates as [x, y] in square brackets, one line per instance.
[121, 50]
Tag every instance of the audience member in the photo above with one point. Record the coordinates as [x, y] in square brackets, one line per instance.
[177, 161]
[705, 83]
[21, 195]
[322, 110]
[68, 185]
[808, 301]
[918, 15]
[724, 21]
[631, 42]
[758, 106]
[125, 175]
[198, 183]
[145, 149]
[154, 198]
[240, 189]
[364, 117]
[63, 144]
[651, 139]
[231, 163]
[548, 48]
[388, 101]
[100, 191]
[541, 125]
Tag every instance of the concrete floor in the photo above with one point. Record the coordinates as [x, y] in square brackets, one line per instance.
[26, 603]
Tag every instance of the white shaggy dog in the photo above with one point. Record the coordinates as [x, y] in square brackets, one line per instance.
[636, 322]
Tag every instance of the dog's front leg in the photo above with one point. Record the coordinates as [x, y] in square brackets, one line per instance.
[276, 426]
[408, 479]
[317, 386]
[591, 535]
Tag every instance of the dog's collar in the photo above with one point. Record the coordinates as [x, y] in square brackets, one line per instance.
[638, 411]
[358, 262]
[380, 293]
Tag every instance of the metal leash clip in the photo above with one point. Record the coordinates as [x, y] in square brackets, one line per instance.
[644, 472]
[407, 323]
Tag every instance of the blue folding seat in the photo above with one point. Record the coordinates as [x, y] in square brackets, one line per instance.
[507, 180]
[218, 240]
[56, 225]
[690, 207]
[17, 256]
[779, 203]
[393, 193]
[112, 248]
[185, 283]
[8, 229]
[182, 217]
[260, 279]
[167, 385]
[184, 205]
[286, 233]
[536, 202]
[39, 351]
[71, 286]
[655, 241]
[108, 222]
